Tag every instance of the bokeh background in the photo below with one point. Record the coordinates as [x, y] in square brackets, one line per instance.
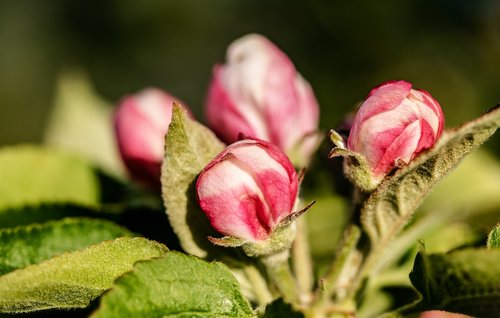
[64, 64]
[449, 47]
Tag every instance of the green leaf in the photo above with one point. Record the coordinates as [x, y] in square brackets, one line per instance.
[465, 281]
[40, 213]
[32, 175]
[279, 309]
[494, 237]
[82, 122]
[23, 246]
[175, 285]
[189, 148]
[463, 199]
[74, 279]
[146, 219]
[395, 200]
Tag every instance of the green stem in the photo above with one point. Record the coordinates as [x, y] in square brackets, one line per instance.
[344, 261]
[278, 269]
[302, 263]
[259, 284]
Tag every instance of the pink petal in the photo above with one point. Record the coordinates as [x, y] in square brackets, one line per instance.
[141, 122]
[381, 99]
[232, 200]
[378, 132]
[403, 148]
[276, 183]
[222, 114]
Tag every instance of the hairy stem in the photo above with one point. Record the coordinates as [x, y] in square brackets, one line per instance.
[302, 263]
[345, 262]
[338, 277]
[278, 269]
[259, 284]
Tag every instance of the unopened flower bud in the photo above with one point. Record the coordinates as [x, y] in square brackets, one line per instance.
[259, 93]
[441, 314]
[248, 189]
[394, 124]
[141, 123]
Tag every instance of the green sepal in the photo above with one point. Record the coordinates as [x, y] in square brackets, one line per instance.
[356, 168]
[280, 239]
[227, 241]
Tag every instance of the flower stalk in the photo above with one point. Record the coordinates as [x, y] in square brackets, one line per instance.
[280, 273]
[302, 262]
[342, 270]
[259, 284]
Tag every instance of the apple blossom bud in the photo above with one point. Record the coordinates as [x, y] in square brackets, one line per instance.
[394, 124]
[248, 189]
[141, 123]
[259, 93]
[441, 314]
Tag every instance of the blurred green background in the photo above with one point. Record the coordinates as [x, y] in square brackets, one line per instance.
[449, 47]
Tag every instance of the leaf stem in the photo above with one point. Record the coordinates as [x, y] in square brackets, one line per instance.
[278, 269]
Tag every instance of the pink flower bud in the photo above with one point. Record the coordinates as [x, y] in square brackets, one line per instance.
[441, 314]
[248, 189]
[394, 123]
[141, 123]
[259, 93]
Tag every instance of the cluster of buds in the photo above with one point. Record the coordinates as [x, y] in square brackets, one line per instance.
[258, 93]
[249, 189]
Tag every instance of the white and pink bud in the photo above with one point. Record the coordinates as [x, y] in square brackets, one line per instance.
[141, 123]
[394, 124]
[441, 314]
[248, 189]
[259, 93]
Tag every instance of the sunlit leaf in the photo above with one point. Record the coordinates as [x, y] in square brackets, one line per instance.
[175, 285]
[33, 175]
[81, 122]
[74, 279]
